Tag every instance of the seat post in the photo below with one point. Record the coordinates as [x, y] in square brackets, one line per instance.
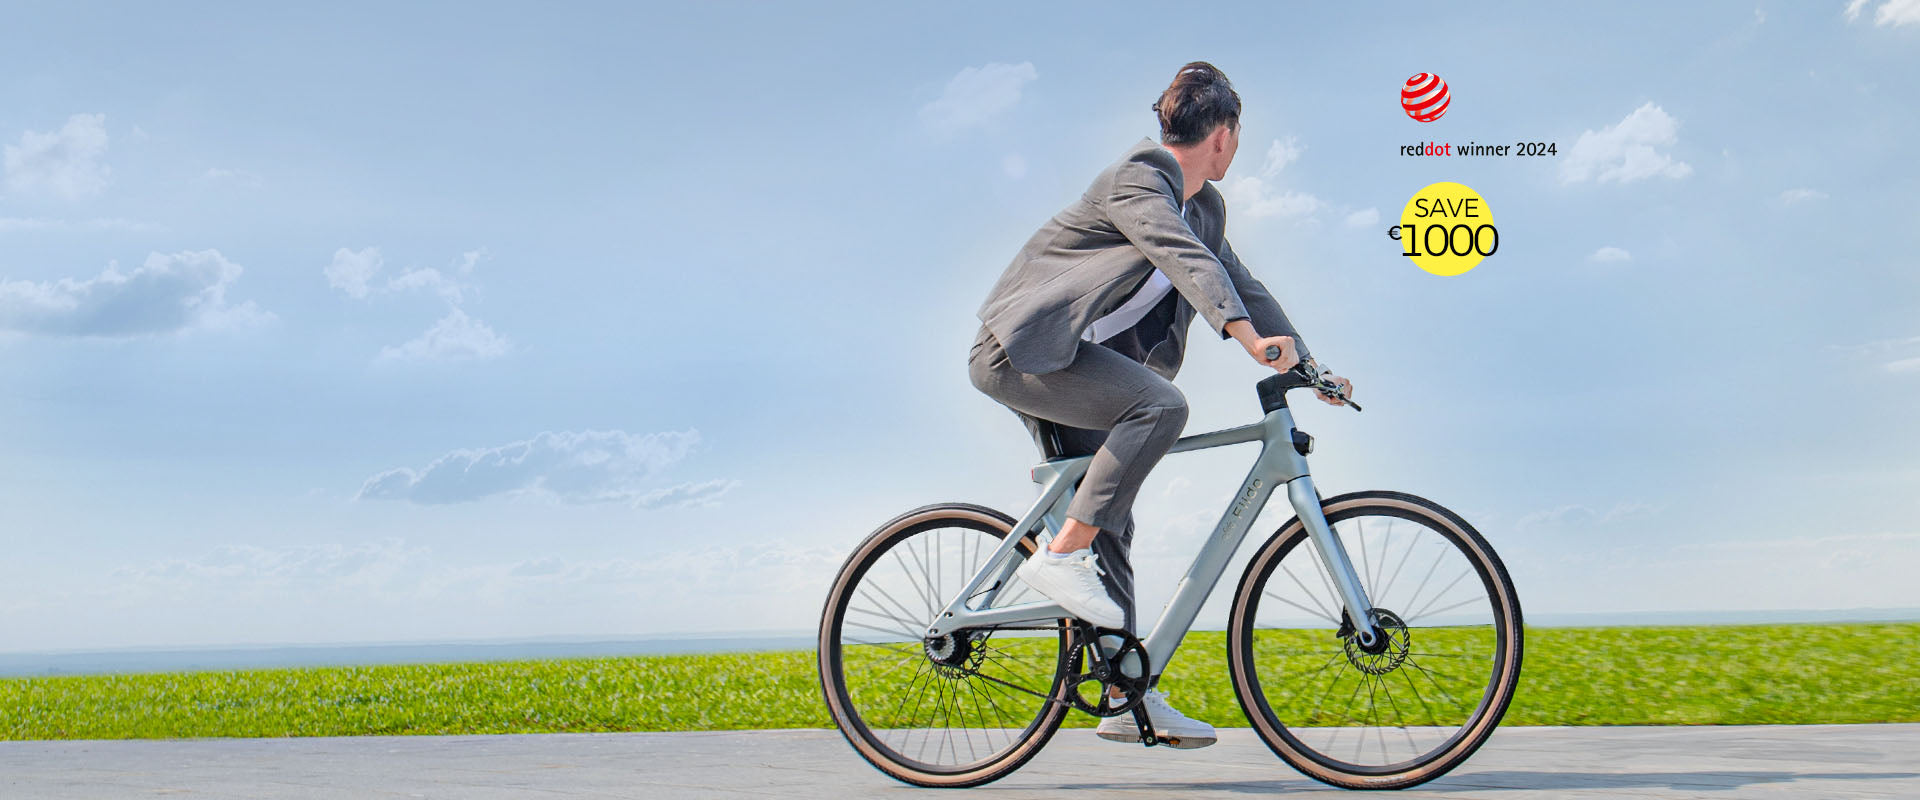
[1051, 446]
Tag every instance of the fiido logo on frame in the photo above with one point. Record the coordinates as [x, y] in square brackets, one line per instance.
[1425, 97]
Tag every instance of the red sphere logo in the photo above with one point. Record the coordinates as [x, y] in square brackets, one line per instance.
[1425, 97]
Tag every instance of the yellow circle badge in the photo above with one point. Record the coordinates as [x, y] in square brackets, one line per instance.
[1446, 229]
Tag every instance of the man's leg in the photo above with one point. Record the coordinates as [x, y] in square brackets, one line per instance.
[1140, 412]
[1113, 546]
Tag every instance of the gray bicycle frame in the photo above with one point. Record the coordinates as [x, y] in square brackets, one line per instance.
[1279, 463]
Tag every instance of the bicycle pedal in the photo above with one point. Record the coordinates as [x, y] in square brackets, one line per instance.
[1147, 735]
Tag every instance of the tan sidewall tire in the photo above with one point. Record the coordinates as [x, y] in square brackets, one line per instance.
[1505, 684]
[844, 717]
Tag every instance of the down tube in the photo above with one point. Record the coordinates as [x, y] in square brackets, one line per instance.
[1277, 465]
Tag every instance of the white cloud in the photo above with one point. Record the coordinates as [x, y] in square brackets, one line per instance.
[468, 259]
[168, 294]
[1792, 196]
[1898, 348]
[1575, 515]
[430, 279]
[1610, 253]
[359, 566]
[570, 467]
[1891, 12]
[238, 177]
[1626, 152]
[354, 271]
[701, 494]
[1256, 198]
[1279, 155]
[1878, 346]
[976, 95]
[1260, 197]
[351, 270]
[1363, 218]
[455, 337]
[67, 162]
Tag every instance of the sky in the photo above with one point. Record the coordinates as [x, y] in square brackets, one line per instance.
[363, 323]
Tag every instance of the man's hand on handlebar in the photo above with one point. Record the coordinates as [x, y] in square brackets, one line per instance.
[1263, 350]
[1282, 354]
[1289, 352]
[1345, 390]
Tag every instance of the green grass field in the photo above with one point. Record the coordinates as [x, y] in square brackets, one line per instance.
[1714, 675]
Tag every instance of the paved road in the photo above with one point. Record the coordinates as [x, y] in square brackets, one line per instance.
[1823, 761]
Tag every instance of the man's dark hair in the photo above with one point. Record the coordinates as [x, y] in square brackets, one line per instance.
[1199, 99]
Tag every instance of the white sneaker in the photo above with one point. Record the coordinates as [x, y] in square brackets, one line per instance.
[1074, 582]
[1168, 723]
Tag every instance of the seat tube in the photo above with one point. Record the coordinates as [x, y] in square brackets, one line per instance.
[1055, 520]
[1333, 556]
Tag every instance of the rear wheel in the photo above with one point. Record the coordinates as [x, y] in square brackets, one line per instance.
[1421, 700]
[959, 710]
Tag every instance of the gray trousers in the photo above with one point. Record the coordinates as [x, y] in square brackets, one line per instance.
[1107, 405]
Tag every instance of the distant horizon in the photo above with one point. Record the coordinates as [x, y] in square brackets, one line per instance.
[27, 664]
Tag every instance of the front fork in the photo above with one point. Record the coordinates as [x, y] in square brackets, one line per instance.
[1333, 556]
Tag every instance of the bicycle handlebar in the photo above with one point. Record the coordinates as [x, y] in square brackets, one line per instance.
[1314, 380]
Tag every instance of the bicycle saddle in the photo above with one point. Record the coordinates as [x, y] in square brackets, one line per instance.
[1051, 446]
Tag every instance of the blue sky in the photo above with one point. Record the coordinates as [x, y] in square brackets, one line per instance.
[361, 323]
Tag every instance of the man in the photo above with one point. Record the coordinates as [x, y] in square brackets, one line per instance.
[1087, 327]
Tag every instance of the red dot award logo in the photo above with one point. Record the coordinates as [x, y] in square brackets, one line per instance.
[1425, 97]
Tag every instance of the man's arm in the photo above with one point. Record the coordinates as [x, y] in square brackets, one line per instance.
[1141, 204]
[1265, 311]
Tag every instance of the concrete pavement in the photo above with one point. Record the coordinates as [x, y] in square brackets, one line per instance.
[1823, 761]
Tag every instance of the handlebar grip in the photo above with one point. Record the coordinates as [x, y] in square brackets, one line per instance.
[1273, 352]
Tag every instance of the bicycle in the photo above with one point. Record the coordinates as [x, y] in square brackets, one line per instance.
[928, 640]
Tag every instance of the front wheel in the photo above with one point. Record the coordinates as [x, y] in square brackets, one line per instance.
[1415, 704]
[960, 710]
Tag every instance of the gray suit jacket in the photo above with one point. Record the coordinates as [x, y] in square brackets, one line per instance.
[1093, 255]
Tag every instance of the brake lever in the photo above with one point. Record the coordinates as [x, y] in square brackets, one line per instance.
[1312, 374]
[1325, 387]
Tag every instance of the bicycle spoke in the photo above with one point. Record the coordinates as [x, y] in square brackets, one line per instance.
[1362, 536]
[1431, 717]
[898, 648]
[1298, 606]
[925, 580]
[1429, 576]
[1328, 615]
[906, 624]
[1371, 706]
[910, 636]
[1453, 606]
[1302, 683]
[907, 573]
[1384, 547]
[1386, 591]
[1412, 748]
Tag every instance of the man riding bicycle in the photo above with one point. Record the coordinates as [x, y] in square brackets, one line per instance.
[1087, 327]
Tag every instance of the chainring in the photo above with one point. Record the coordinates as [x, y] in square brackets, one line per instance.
[1089, 663]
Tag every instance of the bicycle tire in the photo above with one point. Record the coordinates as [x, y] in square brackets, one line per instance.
[1502, 679]
[847, 713]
